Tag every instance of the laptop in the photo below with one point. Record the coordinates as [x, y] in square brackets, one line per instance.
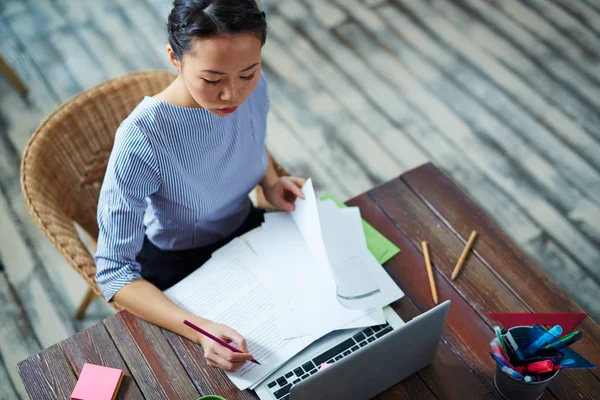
[363, 362]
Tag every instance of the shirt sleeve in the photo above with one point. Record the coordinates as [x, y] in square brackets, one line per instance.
[132, 175]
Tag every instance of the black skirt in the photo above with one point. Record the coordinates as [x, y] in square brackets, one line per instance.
[164, 268]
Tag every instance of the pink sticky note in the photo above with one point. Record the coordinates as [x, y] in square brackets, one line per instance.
[323, 366]
[97, 383]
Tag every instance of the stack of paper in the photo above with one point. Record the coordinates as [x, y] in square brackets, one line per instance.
[317, 263]
[283, 286]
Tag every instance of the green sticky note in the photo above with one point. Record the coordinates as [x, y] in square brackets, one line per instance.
[381, 248]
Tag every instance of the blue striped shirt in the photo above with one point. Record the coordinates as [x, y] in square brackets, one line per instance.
[181, 176]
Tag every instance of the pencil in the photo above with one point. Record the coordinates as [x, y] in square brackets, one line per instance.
[429, 272]
[216, 339]
[463, 256]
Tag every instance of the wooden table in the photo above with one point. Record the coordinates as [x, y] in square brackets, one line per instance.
[422, 204]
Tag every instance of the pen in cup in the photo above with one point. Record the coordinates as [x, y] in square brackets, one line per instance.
[514, 345]
[565, 341]
[543, 340]
[513, 373]
[499, 351]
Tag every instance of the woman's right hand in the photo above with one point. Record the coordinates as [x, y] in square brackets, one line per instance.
[220, 356]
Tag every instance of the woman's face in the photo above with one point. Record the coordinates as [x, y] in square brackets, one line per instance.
[221, 72]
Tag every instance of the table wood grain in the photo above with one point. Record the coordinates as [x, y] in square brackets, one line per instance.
[422, 204]
[95, 346]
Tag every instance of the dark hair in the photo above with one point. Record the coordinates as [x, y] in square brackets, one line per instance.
[192, 19]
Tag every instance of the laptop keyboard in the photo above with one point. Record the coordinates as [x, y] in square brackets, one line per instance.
[281, 386]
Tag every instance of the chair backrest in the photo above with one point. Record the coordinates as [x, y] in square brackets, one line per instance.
[65, 160]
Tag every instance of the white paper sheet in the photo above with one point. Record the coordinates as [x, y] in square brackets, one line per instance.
[306, 218]
[305, 292]
[362, 283]
[226, 290]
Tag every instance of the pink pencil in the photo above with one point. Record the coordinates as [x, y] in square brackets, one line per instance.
[216, 339]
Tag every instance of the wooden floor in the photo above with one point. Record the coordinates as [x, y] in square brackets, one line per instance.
[502, 95]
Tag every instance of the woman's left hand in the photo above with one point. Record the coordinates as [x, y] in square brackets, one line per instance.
[284, 192]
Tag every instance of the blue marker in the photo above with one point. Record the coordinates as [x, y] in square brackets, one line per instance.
[543, 340]
[513, 373]
[566, 363]
[498, 360]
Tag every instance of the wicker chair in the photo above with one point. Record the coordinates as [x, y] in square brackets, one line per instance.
[64, 164]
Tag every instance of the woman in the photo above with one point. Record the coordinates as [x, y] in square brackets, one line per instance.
[183, 163]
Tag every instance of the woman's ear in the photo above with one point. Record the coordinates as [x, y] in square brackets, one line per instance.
[173, 58]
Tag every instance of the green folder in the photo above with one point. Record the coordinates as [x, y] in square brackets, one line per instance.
[381, 248]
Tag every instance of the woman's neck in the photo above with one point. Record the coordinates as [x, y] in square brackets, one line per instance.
[178, 94]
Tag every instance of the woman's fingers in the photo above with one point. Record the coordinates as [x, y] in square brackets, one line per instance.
[232, 356]
[225, 359]
[299, 181]
[216, 360]
[235, 337]
[293, 187]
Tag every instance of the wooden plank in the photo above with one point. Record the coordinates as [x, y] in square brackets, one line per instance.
[21, 115]
[425, 105]
[466, 333]
[375, 3]
[536, 46]
[327, 14]
[448, 374]
[471, 315]
[551, 36]
[325, 126]
[48, 375]
[453, 157]
[544, 141]
[593, 4]
[14, 52]
[59, 279]
[353, 99]
[44, 55]
[30, 257]
[446, 120]
[94, 346]
[524, 192]
[587, 217]
[17, 341]
[386, 103]
[479, 285]
[88, 26]
[294, 155]
[545, 57]
[500, 254]
[88, 68]
[207, 379]
[7, 390]
[410, 388]
[583, 12]
[565, 87]
[160, 8]
[572, 28]
[151, 360]
[333, 137]
[21, 118]
[43, 306]
[519, 89]
[322, 135]
[114, 22]
[566, 272]
[147, 29]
